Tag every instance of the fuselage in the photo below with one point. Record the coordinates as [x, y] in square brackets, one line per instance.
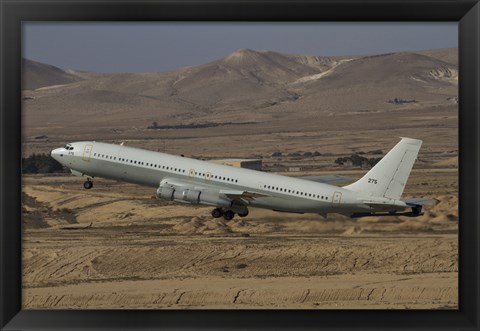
[143, 167]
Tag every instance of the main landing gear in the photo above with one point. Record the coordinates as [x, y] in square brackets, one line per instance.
[417, 210]
[88, 184]
[227, 214]
[217, 212]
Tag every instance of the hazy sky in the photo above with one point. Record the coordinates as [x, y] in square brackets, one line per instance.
[153, 47]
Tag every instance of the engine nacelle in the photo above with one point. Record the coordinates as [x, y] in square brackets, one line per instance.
[165, 192]
[186, 195]
[214, 198]
[190, 195]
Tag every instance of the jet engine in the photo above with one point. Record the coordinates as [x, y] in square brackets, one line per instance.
[193, 196]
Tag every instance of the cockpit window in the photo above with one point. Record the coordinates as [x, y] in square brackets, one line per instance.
[68, 147]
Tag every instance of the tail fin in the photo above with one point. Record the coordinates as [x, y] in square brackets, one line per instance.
[389, 176]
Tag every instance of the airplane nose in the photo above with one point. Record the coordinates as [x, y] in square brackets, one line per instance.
[57, 153]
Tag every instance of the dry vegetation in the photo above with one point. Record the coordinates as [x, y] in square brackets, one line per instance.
[116, 246]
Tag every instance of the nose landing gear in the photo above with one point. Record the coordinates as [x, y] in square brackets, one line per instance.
[88, 184]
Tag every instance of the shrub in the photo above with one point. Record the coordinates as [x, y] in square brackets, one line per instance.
[358, 161]
[40, 163]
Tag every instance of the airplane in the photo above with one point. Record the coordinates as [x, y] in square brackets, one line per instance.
[232, 190]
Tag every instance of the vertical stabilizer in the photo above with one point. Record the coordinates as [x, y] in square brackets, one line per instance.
[389, 176]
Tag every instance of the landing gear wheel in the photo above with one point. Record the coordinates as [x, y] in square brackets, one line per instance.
[417, 210]
[217, 212]
[88, 184]
[245, 214]
[228, 215]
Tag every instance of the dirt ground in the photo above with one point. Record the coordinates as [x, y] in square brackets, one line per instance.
[116, 246]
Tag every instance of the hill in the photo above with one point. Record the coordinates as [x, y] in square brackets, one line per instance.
[245, 86]
[37, 75]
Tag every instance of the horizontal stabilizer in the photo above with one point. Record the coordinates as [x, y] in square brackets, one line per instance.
[386, 206]
[404, 214]
[418, 201]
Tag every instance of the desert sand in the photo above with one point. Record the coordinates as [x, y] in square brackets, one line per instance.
[116, 246]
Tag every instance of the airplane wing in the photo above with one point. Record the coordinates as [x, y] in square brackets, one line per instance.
[245, 196]
[328, 179]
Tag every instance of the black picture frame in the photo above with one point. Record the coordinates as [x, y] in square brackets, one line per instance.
[14, 12]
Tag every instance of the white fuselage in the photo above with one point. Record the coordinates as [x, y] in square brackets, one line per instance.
[279, 193]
